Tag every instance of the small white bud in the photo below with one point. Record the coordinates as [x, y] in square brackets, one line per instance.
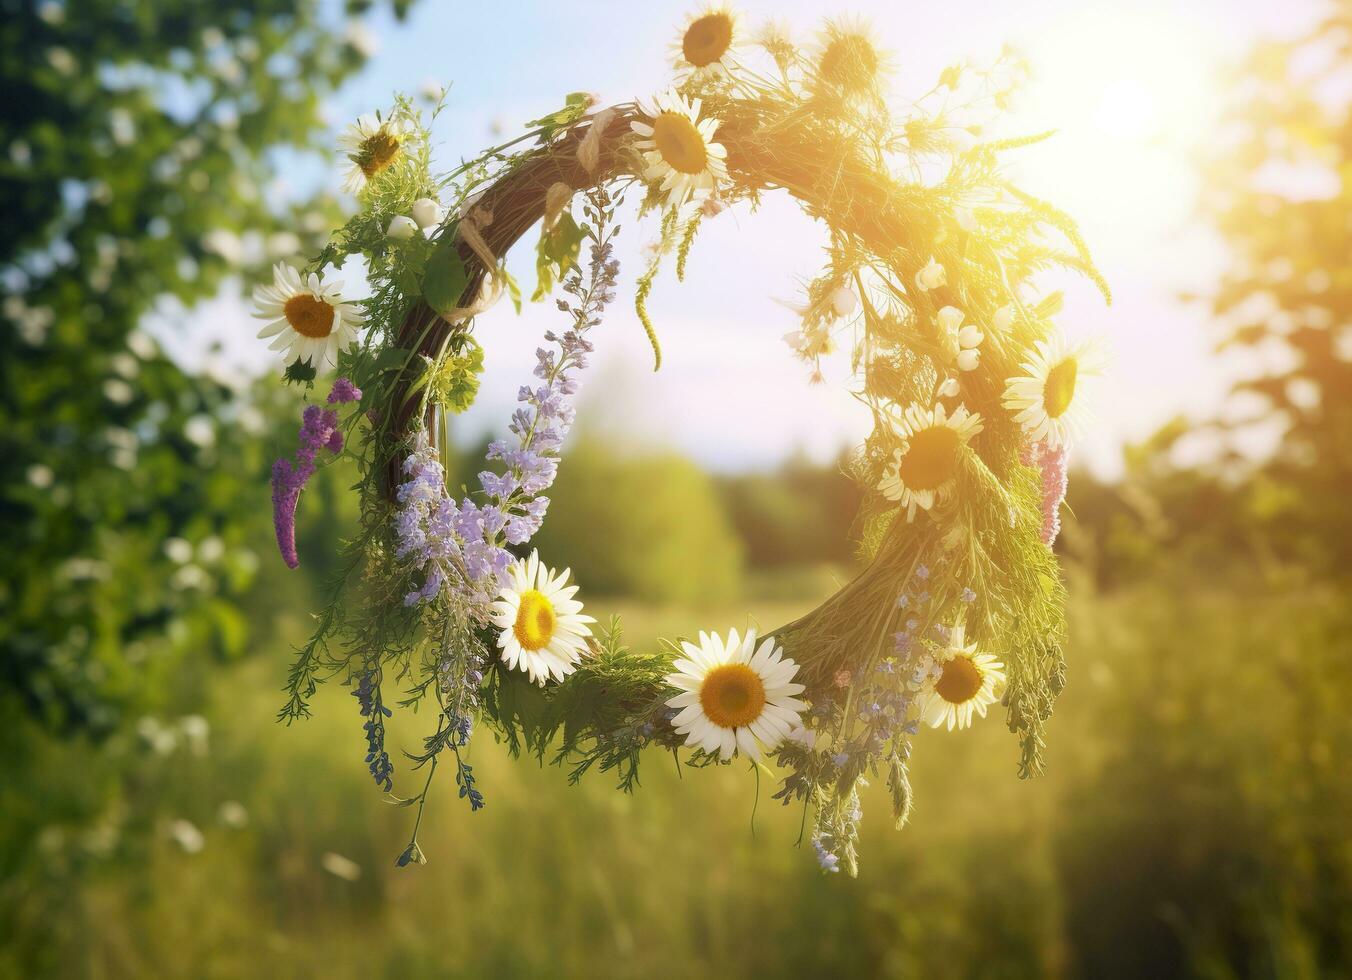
[932, 276]
[426, 212]
[401, 228]
[968, 360]
[950, 388]
[969, 337]
[950, 319]
[1004, 318]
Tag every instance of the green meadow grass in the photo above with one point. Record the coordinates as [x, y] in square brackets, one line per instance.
[1186, 825]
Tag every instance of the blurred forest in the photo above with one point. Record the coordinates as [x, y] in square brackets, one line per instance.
[155, 821]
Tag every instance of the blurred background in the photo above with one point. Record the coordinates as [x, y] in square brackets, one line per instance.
[155, 157]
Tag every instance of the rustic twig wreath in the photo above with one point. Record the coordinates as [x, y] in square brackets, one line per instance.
[973, 393]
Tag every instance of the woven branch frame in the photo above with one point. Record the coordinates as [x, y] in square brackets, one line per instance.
[765, 159]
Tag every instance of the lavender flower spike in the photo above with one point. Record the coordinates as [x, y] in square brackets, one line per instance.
[319, 430]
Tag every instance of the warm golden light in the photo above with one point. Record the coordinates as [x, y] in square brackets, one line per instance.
[1131, 92]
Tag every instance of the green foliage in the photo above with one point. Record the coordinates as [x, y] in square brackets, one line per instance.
[445, 277]
[1206, 838]
[129, 485]
[556, 253]
[674, 542]
[798, 514]
[687, 242]
[454, 381]
[1174, 836]
[1285, 298]
[600, 719]
[575, 106]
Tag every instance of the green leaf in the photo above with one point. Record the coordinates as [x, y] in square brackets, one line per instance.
[1050, 306]
[900, 788]
[412, 855]
[574, 108]
[456, 381]
[556, 253]
[513, 287]
[300, 372]
[445, 277]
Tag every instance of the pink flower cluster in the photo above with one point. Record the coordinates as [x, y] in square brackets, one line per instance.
[1052, 464]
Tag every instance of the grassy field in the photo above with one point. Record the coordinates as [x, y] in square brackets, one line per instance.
[1189, 824]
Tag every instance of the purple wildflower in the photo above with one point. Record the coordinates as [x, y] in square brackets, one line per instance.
[828, 861]
[451, 544]
[460, 545]
[344, 391]
[319, 430]
[497, 486]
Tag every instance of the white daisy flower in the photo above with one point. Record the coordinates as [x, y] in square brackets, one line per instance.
[924, 470]
[678, 150]
[705, 42]
[847, 58]
[372, 144]
[734, 695]
[307, 317]
[1045, 399]
[967, 682]
[543, 631]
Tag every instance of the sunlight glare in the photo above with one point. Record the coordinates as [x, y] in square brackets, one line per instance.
[1130, 91]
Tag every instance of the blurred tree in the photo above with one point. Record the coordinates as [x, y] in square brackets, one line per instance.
[650, 527]
[802, 513]
[137, 143]
[1279, 188]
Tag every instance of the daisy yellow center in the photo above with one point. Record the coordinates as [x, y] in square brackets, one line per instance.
[535, 621]
[377, 152]
[707, 39]
[309, 316]
[732, 695]
[849, 62]
[960, 681]
[1059, 388]
[931, 459]
[680, 143]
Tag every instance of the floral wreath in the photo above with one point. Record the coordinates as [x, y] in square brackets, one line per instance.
[974, 396]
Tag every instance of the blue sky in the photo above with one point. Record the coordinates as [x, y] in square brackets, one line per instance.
[1131, 88]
